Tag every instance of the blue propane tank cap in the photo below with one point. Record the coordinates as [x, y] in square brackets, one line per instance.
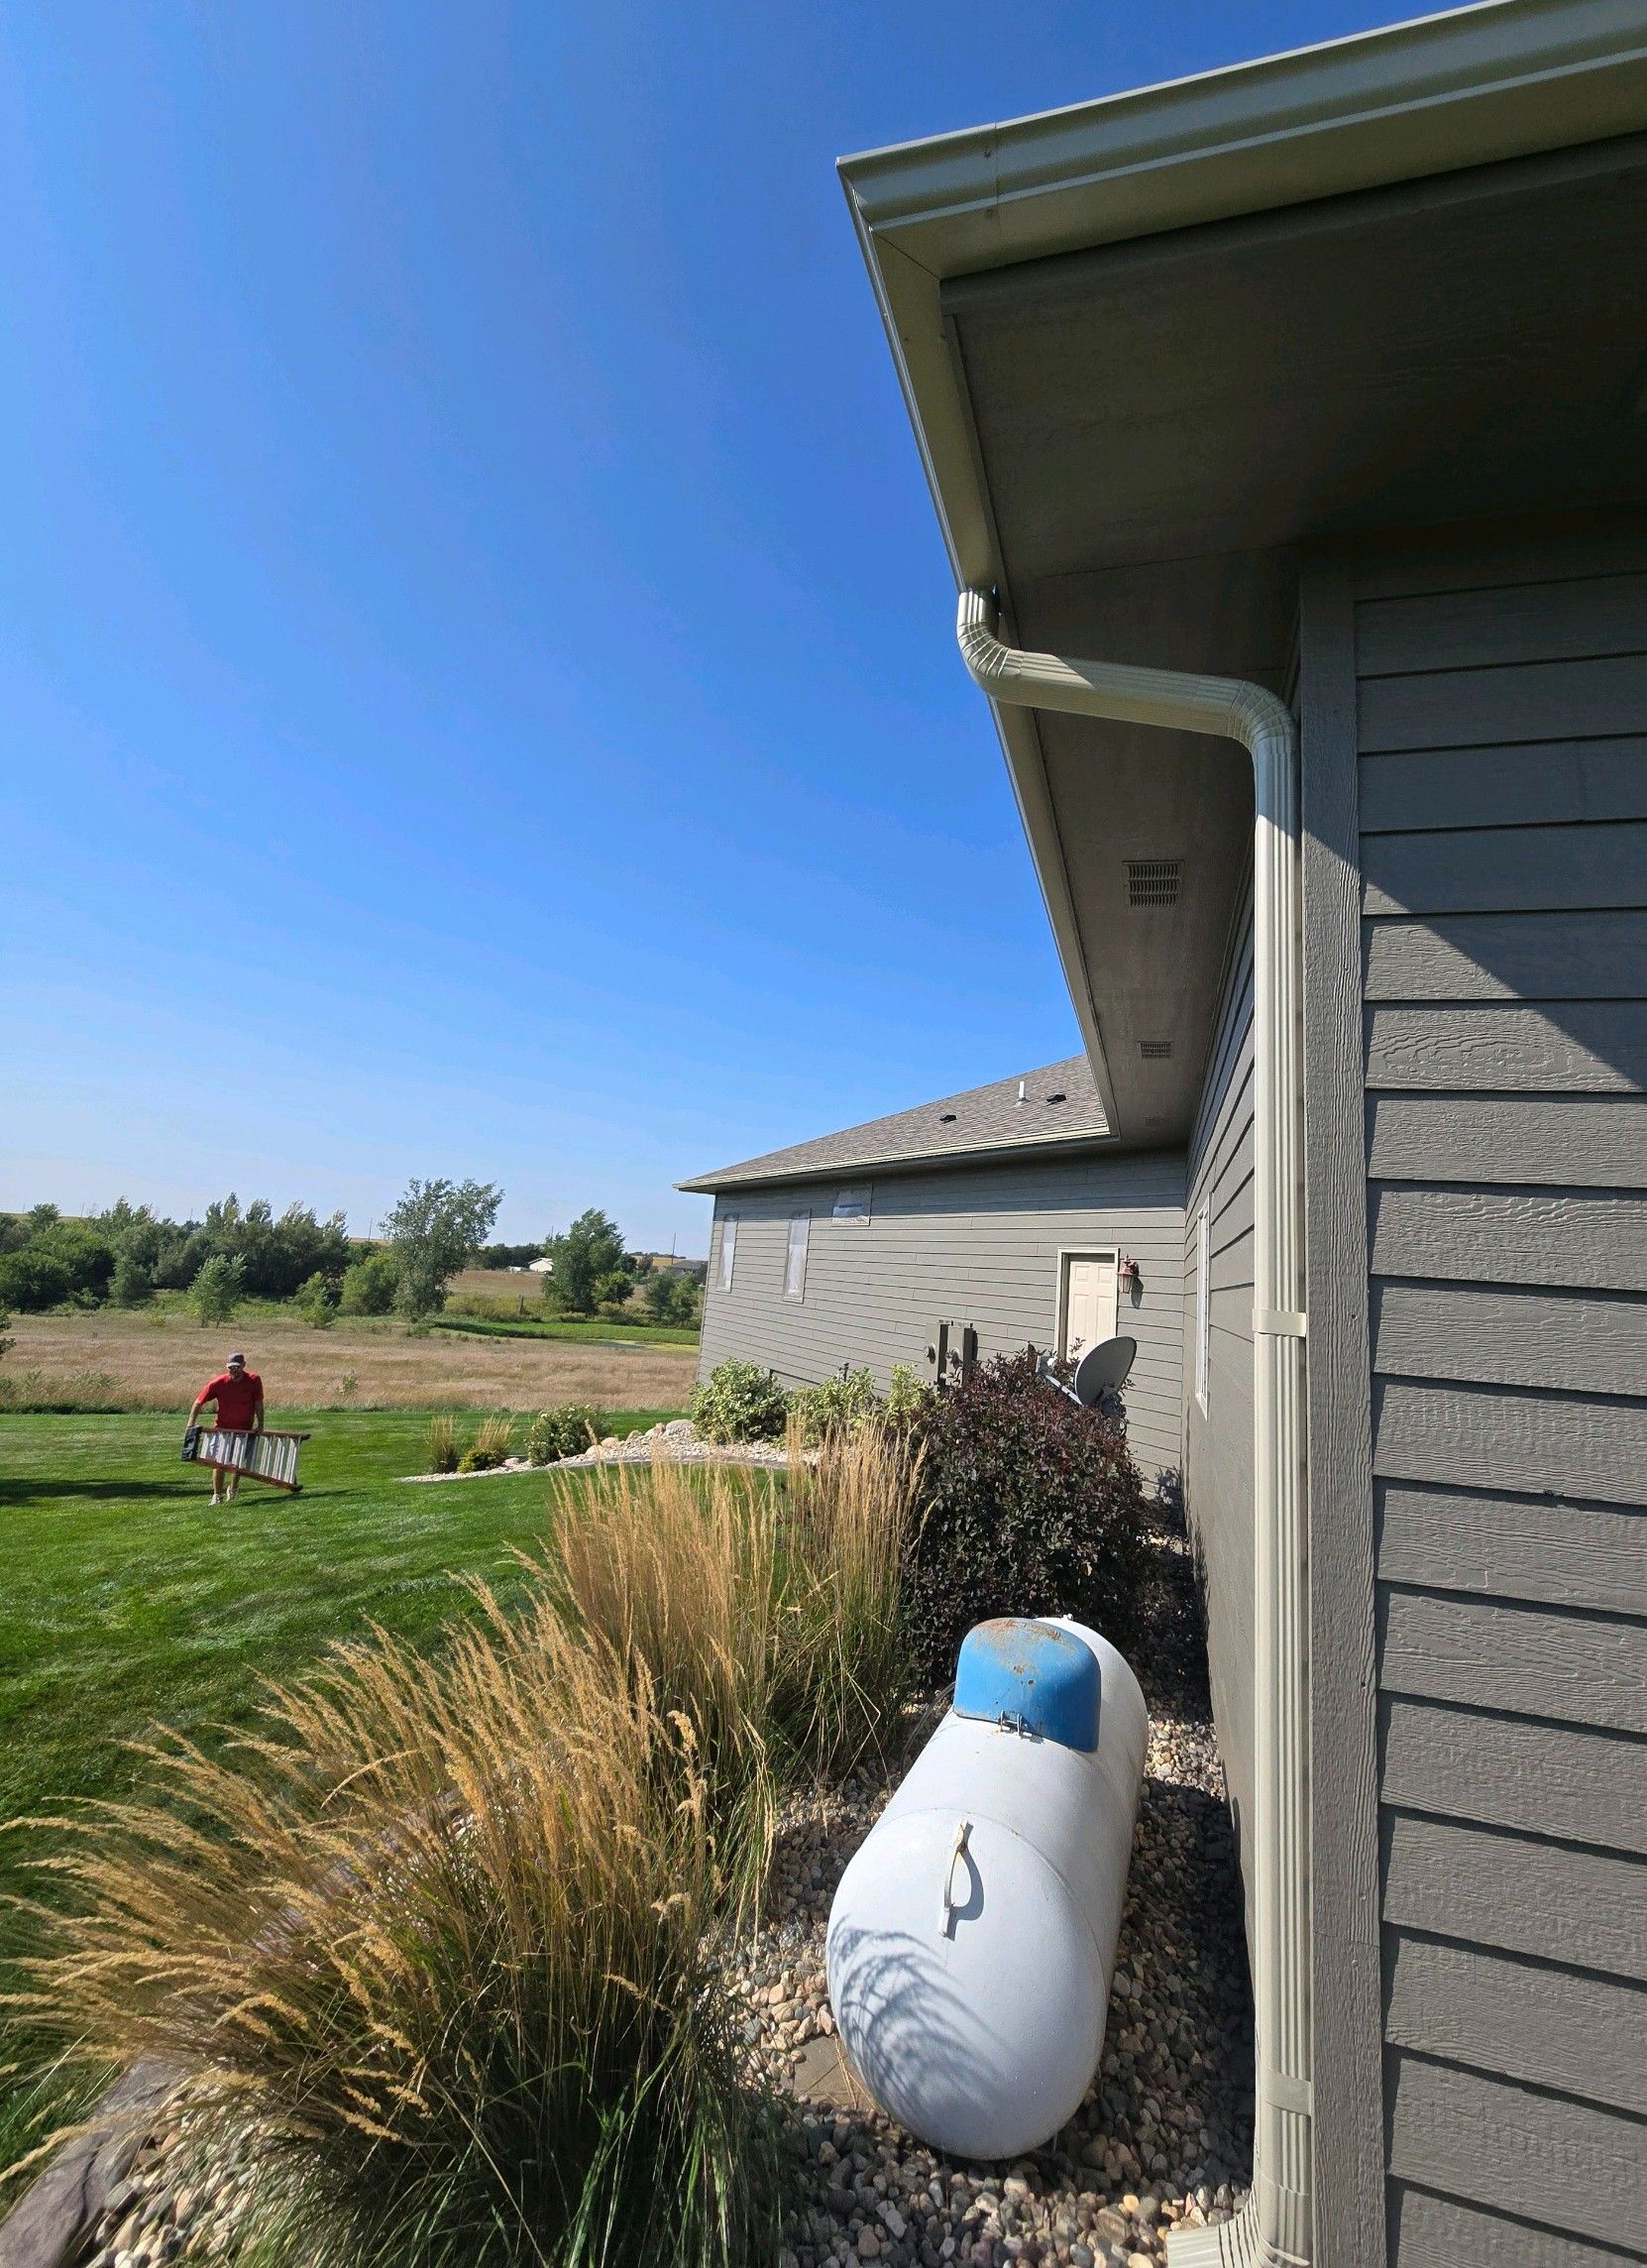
[1032, 1676]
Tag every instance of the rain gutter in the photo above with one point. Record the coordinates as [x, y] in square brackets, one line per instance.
[1273, 2228]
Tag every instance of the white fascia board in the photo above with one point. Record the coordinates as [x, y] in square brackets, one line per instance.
[1503, 78]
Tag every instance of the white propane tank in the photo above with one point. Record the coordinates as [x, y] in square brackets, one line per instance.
[972, 1938]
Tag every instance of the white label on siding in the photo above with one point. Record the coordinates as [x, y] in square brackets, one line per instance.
[851, 1204]
[1203, 1304]
[728, 1250]
[795, 1256]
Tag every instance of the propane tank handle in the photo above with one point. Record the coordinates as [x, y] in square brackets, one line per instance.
[956, 1853]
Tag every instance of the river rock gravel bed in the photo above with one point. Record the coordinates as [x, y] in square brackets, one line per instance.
[1164, 2140]
[676, 1439]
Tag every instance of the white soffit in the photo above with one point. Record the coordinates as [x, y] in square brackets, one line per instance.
[1504, 80]
[1507, 78]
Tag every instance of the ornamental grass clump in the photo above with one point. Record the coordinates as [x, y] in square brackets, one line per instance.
[440, 1446]
[440, 1942]
[490, 1448]
[765, 1608]
[845, 1672]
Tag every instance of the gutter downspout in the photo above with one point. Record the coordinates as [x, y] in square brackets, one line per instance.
[1274, 2228]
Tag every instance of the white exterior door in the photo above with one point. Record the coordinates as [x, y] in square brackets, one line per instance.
[1088, 1302]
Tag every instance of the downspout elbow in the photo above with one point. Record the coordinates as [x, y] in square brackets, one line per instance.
[1225, 708]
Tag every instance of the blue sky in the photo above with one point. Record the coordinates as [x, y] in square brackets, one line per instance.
[474, 650]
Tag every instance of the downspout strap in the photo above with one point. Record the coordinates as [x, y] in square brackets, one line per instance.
[1280, 1323]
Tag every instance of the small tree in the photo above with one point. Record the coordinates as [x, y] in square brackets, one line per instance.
[132, 1284]
[590, 1249]
[216, 1291]
[613, 1289]
[660, 1296]
[435, 1231]
[314, 1302]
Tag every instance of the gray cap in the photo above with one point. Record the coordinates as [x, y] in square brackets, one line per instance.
[240, 1358]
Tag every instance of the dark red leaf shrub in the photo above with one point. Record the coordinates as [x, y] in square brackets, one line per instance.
[1029, 1506]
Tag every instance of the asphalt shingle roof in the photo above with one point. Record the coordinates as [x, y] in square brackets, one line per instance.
[987, 1121]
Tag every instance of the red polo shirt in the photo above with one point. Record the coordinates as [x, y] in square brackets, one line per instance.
[236, 1399]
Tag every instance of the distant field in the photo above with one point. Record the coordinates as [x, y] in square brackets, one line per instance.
[154, 1360]
[599, 1333]
[493, 1294]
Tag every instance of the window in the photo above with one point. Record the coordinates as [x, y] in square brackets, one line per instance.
[795, 1256]
[728, 1250]
[1203, 1304]
[851, 1204]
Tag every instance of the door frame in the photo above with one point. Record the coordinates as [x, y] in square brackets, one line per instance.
[1067, 1253]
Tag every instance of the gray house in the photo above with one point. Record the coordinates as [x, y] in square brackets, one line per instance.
[1007, 1212]
[1287, 432]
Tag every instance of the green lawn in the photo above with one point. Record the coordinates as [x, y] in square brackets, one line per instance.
[128, 1601]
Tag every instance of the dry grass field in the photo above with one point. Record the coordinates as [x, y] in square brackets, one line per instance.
[149, 1360]
[495, 1290]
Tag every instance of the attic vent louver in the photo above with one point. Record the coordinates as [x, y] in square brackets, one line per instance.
[1154, 1051]
[947, 1118]
[1057, 1098]
[1153, 882]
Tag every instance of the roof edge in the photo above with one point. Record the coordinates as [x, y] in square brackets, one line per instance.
[1524, 74]
[922, 1162]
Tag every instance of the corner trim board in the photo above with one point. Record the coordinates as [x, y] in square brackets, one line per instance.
[1346, 2000]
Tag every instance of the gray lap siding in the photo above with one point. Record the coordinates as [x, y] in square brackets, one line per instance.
[1503, 708]
[1218, 1440]
[979, 1245]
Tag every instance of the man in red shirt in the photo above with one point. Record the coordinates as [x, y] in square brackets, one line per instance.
[237, 1394]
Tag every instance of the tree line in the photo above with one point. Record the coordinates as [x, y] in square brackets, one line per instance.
[123, 1255]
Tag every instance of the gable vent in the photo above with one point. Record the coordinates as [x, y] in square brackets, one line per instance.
[1154, 1051]
[1153, 882]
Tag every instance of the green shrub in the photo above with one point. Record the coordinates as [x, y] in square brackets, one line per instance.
[564, 1431]
[834, 1408]
[440, 1446]
[1028, 1504]
[909, 1400]
[739, 1401]
[369, 1285]
[314, 1302]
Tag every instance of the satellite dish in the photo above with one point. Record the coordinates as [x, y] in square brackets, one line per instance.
[1104, 1367]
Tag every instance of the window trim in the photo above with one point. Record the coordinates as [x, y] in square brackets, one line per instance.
[796, 1290]
[728, 1250]
[1203, 1306]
